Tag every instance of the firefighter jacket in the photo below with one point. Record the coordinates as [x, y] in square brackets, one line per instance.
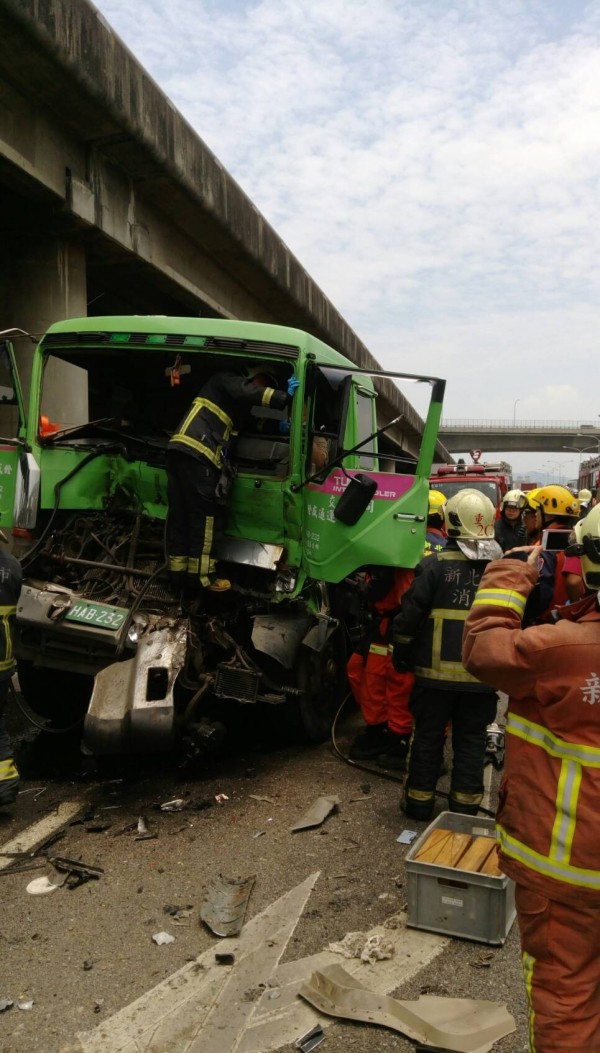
[509, 534]
[427, 633]
[549, 813]
[218, 412]
[10, 587]
[435, 541]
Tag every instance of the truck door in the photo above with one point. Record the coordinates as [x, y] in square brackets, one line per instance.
[12, 430]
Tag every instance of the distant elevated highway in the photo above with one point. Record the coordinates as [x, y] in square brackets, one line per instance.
[460, 436]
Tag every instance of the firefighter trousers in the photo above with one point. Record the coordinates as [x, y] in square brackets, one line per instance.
[9, 776]
[469, 713]
[560, 947]
[195, 519]
[382, 693]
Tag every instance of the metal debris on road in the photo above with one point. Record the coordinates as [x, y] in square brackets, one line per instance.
[224, 907]
[163, 937]
[5, 1003]
[220, 798]
[25, 1005]
[462, 1024]
[77, 872]
[176, 805]
[143, 831]
[317, 814]
[311, 1039]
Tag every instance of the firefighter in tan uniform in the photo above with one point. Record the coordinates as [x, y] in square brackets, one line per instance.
[10, 587]
[548, 821]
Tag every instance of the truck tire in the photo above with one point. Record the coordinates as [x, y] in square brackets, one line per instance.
[322, 681]
[57, 696]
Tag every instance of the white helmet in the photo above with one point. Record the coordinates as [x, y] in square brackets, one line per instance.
[469, 515]
[515, 498]
[584, 496]
[587, 547]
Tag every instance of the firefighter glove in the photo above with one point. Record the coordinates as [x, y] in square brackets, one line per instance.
[292, 385]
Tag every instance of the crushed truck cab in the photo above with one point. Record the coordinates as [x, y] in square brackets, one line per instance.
[100, 629]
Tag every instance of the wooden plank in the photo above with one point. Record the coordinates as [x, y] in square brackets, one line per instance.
[429, 852]
[453, 850]
[476, 854]
[491, 866]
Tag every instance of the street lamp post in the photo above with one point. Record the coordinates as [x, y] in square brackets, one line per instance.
[515, 411]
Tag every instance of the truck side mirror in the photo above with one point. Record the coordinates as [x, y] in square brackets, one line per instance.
[355, 499]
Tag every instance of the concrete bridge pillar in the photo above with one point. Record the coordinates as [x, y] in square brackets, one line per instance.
[43, 280]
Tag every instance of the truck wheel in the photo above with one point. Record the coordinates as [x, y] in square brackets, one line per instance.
[322, 680]
[58, 697]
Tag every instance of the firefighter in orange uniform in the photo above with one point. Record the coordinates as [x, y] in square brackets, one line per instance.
[380, 691]
[548, 821]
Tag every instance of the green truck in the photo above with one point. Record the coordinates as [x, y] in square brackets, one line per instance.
[100, 635]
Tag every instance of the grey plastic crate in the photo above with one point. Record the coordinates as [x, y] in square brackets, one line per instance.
[458, 902]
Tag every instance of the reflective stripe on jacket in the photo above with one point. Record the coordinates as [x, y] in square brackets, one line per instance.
[218, 412]
[549, 814]
[10, 587]
[431, 619]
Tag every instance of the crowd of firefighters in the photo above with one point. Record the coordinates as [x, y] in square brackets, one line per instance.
[505, 603]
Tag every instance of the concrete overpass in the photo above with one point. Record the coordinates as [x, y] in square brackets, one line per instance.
[111, 204]
[460, 436]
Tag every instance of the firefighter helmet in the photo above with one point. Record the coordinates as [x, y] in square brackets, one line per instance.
[437, 500]
[514, 498]
[532, 499]
[584, 496]
[261, 369]
[469, 515]
[558, 501]
[587, 536]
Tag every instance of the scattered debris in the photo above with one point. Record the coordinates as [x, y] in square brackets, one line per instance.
[40, 886]
[407, 837]
[97, 828]
[25, 1005]
[225, 959]
[259, 833]
[460, 1024]
[224, 907]
[98, 1003]
[220, 798]
[317, 814]
[371, 949]
[259, 797]
[77, 872]
[5, 1003]
[176, 805]
[143, 831]
[177, 913]
[88, 964]
[163, 937]
[311, 1039]
[483, 962]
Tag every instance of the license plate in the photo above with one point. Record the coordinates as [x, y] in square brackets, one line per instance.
[96, 614]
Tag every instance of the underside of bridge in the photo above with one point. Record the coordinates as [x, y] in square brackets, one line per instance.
[110, 203]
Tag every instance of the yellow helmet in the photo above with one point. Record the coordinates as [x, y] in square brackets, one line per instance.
[532, 498]
[587, 536]
[558, 501]
[437, 500]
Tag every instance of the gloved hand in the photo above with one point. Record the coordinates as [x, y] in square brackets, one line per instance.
[283, 427]
[292, 385]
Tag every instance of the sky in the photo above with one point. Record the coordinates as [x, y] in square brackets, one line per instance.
[434, 166]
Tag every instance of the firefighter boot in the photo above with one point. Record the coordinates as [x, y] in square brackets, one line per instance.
[395, 754]
[369, 743]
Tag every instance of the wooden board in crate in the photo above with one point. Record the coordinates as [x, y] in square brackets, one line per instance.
[447, 848]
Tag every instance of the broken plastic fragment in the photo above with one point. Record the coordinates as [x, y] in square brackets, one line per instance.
[5, 1003]
[163, 937]
[143, 833]
[25, 1005]
[406, 837]
[371, 949]
[221, 797]
[176, 805]
[40, 886]
[319, 811]
[224, 907]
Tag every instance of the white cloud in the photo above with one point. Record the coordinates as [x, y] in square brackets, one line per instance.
[434, 166]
